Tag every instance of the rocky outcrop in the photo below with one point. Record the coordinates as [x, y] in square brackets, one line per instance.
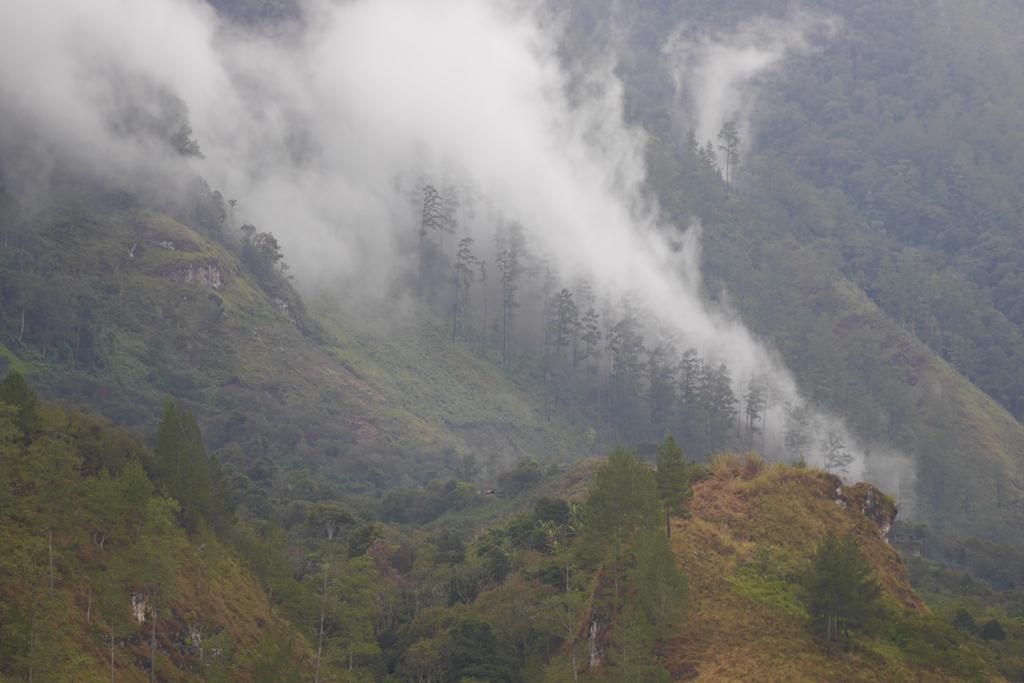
[595, 631]
[208, 275]
[138, 602]
[286, 310]
[875, 505]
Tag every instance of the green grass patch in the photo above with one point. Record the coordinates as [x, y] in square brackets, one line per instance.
[767, 589]
[13, 361]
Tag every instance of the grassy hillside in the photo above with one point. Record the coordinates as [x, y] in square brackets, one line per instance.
[750, 535]
[968, 450]
[124, 305]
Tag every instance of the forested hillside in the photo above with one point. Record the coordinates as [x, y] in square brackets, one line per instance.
[148, 577]
[110, 299]
[319, 406]
[113, 305]
[108, 575]
[860, 232]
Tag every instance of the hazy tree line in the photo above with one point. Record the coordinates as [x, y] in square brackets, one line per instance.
[591, 354]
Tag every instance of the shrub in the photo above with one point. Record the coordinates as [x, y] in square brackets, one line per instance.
[752, 465]
[724, 464]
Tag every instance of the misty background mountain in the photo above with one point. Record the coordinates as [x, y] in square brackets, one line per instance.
[399, 254]
[323, 134]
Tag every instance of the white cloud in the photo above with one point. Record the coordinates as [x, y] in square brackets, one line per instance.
[311, 131]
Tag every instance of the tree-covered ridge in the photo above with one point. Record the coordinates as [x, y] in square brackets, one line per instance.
[914, 141]
[114, 306]
[106, 576]
[127, 561]
[147, 568]
[890, 145]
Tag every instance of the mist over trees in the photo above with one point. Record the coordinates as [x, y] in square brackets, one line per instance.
[412, 501]
[591, 353]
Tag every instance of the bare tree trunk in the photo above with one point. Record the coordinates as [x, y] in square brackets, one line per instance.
[483, 328]
[419, 283]
[88, 608]
[199, 570]
[111, 652]
[49, 535]
[504, 334]
[615, 598]
[455, 304]
[152, 646]
[21, 330]
[32, 634]
[547, 412]
[320, 632]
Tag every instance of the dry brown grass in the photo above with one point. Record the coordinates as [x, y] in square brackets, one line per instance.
[743, 628]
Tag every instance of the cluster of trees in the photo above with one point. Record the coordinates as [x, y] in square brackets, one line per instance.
[855, 172]
[842, 592]
[261, 252]
[562, 591]
[625, 511]
[95, 545]
[502, 607]
[843, 596]
[186, 473]
[591, 356]
[602, 359]
[44, 308]
[507, 605]
[421, 505]
[60, 278]
[910, 201]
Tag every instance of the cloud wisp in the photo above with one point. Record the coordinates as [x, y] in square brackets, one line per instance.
[309, 131]
[717, 74]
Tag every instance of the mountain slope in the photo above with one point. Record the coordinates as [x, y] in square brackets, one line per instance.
[749, 537]
[122, 305]
[863, 238]
[97, 570]
[969, 452]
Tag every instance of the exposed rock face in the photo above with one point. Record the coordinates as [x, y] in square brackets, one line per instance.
[875, 505]
[836, 485]
[596, 654]
[139, 607]
[195, 639]
[286, 309]
[206, 274]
